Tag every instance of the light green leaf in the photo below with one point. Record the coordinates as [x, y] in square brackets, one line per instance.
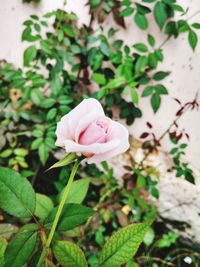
[141, 64]
[72, 216]
[21, 247]
[43, 153]
[7, 230]
[69, 254]
[29, 55]
[122, 245]
[43, 206]
[160, 14]
[3, 244]
[99, 78]
[134, 96]
[64, 162]
[78, 191]
[16, 194]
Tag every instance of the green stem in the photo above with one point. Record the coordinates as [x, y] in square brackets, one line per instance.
[59, 211]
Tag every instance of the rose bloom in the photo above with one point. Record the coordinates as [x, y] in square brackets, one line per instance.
[86, 130]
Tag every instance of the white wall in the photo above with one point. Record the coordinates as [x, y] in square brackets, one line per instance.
[183, 82]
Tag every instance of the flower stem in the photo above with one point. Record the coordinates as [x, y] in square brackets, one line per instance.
[59, 211]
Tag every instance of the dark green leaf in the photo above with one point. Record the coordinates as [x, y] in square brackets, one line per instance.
[160, 89]
[160, 75]
[21, 247]
[151, 40]
[148, 91]
[192, 39]
[140, 47]
[16, 194]
[126, 12]
[155, 101]
[141, 21]
[72, 216]
[160, 14]
[196, 25]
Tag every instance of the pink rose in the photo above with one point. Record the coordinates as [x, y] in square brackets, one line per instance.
[88, 131]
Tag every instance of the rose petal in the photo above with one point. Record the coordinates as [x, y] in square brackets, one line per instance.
[96, 148]
[118, 132]
[66, 128]
[84, 123]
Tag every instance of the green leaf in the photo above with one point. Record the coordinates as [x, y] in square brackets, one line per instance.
[43, 206]
[69, 254]
[148, 91]
[134, 96]
[72, 216]
[160, 75]
[6, 153]
[126, 12]
[43, 153]
[47, 103]
[153, 61]
[141, 47]
[141, 64]
[155, 101]
[3, 245]
[99, 78]
[116, 82]
[16, 194]
[196, 25]
[64, 162]
[149, 237]
[21, 152]
[122, 245]
[192, 39]
[69, 30]
[160, 14]
[78, 191]
[22, 246]
[151, 40]
[161, 89]
[51, 114]
[95, 3]
[29, 55]
[141, 21]
[37, 97]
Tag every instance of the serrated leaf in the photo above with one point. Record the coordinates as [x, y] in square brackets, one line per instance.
[69, 254]
[29, 55]
[122, 245]
[21, 247]
[78, 191]
[160, 14]
[64, 162]
[43, 206]
[17, 196]
[72, 216]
